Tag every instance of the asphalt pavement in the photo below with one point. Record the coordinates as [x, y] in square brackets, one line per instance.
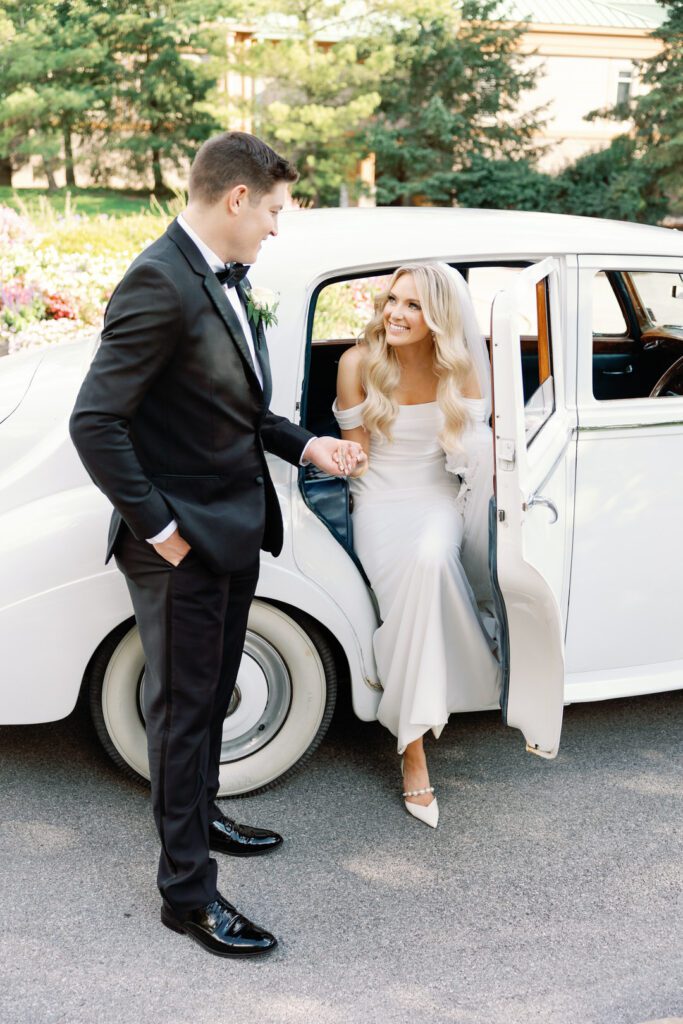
[550, 892]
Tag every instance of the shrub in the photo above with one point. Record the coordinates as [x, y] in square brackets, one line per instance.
[612, 182]
[504, 185]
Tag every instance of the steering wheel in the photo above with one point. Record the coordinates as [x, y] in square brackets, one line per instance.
[671, 381]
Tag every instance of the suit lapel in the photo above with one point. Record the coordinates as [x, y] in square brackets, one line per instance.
[264, 363]
[216, 293]
[222, 304]
[259, 337]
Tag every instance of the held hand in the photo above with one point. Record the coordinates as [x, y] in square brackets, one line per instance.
[338, 458]
[173, 549]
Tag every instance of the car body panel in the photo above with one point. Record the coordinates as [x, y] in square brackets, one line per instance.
[16, 380]
[627, 579]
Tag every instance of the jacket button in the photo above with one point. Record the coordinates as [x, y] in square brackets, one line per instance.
[259, 479]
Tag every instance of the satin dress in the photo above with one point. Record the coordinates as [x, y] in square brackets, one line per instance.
[433, 650]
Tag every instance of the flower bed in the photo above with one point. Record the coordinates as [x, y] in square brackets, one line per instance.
[56, 274]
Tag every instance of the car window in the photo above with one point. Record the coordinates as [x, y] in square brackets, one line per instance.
[661, 297]
[608, 318]
[637, 332]
[535, 332]
[538, 354]
[344, 308]
[485, 282]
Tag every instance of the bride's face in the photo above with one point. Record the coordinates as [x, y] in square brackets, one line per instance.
[404, 323]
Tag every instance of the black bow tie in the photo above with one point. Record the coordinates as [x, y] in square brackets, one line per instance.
[233, 274]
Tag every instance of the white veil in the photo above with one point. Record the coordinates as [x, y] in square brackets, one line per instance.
[474, 466]
[474, 339]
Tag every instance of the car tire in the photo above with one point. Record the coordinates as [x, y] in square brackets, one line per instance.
[281, 709]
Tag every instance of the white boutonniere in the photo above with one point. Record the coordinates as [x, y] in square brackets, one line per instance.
[262, 306]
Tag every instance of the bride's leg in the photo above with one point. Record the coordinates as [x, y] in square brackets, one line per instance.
[415, 772]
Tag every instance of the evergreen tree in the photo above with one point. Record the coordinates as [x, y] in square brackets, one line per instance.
[643, 169]
[50, 62]
[613, 182]
[658, 114]
[317, 84]
[451, 102]
[505, 185]
[158, 80]
[130, 77]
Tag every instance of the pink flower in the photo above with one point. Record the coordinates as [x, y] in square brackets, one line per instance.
[15, 295]
[60, 307]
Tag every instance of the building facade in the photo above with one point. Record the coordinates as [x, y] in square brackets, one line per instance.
[586, 53]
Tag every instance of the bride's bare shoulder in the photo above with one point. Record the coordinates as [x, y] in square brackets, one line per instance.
[349, 387]
[352, 358]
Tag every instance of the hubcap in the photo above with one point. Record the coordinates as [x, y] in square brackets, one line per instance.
[259, 703]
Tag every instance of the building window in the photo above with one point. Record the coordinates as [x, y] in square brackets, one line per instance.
[624, 87]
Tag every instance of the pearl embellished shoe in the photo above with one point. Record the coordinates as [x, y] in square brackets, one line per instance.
[429, 814]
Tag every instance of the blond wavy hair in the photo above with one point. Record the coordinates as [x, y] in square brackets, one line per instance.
[381, 370]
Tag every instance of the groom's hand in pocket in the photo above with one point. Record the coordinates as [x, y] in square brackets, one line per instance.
[334, 456]
[173, 549]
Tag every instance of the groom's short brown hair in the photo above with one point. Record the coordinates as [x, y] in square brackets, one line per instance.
[236, 158]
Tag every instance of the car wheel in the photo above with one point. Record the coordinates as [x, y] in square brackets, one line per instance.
[280, 710]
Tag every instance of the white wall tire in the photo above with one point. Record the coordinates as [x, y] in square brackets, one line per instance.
[282, 707]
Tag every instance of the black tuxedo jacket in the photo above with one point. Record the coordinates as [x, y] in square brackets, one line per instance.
[171, 422]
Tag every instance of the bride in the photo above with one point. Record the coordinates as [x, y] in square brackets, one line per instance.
[415, 393]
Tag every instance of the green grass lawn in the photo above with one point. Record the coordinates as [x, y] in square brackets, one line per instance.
[87, 201]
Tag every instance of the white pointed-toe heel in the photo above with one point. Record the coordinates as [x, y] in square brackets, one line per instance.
[429, 814]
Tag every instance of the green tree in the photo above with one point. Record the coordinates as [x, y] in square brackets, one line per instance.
[640, 175]
[131, 77]
[613, 182]
[318, 84]
[50, 61]
[505, 185]
[158, 80]
[451, 102]
[658, 113]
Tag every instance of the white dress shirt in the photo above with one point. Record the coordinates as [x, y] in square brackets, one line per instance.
[216, 263]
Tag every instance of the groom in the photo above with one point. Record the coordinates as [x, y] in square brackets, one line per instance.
[172, 423]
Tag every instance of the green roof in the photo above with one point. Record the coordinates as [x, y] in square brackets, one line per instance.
[587, 12]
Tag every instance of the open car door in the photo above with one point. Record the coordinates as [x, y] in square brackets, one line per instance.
[532, 508]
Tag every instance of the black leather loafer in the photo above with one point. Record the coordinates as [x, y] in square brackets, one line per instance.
[220, 929]
[226, 836]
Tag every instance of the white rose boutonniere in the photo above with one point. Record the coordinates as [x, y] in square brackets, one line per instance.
[262, 306]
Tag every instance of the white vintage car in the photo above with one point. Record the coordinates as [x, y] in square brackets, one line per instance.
[586, 326]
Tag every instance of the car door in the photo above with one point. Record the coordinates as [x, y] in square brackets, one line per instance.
[624, 632]
[534, 452]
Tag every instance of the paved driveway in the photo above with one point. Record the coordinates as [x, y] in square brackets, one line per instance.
[550, 891]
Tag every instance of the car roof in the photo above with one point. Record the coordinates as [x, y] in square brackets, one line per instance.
[315, 242]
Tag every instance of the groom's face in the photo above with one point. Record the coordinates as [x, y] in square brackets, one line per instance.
[256, 220]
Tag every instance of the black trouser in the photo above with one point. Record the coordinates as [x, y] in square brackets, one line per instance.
[192, 623]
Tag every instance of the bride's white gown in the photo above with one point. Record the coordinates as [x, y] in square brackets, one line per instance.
[433, 652]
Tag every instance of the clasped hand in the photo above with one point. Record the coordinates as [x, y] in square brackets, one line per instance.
[338, 458]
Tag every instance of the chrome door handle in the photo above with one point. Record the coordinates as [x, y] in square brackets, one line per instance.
[537, 499]
[618, 373]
